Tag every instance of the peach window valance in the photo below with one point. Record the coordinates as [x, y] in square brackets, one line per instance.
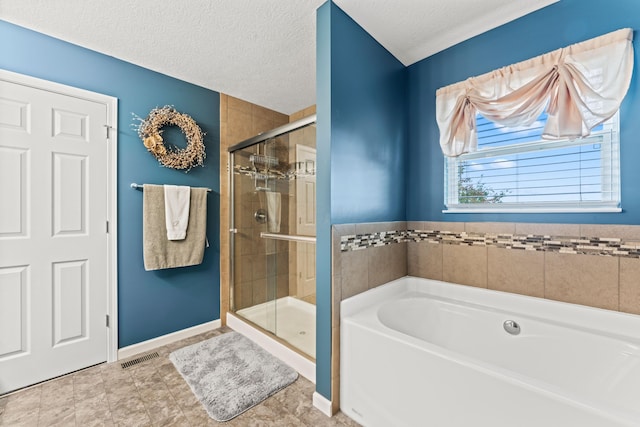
[580, 86]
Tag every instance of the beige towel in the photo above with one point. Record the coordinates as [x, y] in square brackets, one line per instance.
[161, 253]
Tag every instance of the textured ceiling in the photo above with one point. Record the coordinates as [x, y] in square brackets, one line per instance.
[415, 29]
[261, 51]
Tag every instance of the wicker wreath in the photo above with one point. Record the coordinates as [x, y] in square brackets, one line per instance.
[150, 131]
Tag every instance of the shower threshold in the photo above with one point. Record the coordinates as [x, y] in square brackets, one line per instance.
[290, 319]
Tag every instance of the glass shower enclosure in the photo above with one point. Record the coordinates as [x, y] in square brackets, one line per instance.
[273, 229]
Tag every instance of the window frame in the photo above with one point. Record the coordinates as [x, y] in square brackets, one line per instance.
[609, 138]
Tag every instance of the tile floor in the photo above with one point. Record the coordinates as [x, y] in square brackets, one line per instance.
[151, 393]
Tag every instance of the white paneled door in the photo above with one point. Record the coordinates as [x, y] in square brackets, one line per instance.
[53, 237]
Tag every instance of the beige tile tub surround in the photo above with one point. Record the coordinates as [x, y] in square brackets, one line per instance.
[378, 227]
[454, 227]
[490, 227]
[548, 229]
[386, 263]
[523, 258]
[466, 265]
[582, 279]
[526, 279]
[630, 285]
[601, 280]
[625, 232]
[424, 259]
[356, 271]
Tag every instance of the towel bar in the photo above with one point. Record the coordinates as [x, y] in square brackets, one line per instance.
[141, 187]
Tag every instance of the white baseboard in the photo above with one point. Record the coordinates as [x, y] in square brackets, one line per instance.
[153, 343]
[304, 366]
[322, 404]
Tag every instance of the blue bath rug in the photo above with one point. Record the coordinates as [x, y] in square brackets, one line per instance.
[230, 374]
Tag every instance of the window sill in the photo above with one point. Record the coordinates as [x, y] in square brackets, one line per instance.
[524, 209]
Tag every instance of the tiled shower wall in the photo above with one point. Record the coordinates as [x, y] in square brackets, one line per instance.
[588, 264]
[261, 268]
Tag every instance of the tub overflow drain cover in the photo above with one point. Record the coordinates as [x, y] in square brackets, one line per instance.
[511, 327]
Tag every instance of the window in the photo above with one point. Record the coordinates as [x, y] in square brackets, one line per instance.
[514, 169]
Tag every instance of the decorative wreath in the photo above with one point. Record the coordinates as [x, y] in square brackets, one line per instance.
[150, 131]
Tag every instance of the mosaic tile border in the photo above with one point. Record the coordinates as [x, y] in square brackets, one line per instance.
[356, 242]
[603, 246]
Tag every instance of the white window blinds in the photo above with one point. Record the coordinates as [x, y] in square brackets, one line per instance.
[515, 169]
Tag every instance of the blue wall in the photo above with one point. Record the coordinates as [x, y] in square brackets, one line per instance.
[558, 25]
[361, 143]
[368, 127]
[150, 303]
[323, 199]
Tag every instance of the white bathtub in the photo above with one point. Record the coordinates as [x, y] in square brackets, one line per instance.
[418, 352]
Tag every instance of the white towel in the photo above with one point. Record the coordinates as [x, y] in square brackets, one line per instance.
[273, 211]
[176, 210]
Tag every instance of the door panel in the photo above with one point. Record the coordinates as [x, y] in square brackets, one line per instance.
[13, 311]
[69, 301]
[70, 124]
[14, 115]
[13, 175]
[69, 199]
